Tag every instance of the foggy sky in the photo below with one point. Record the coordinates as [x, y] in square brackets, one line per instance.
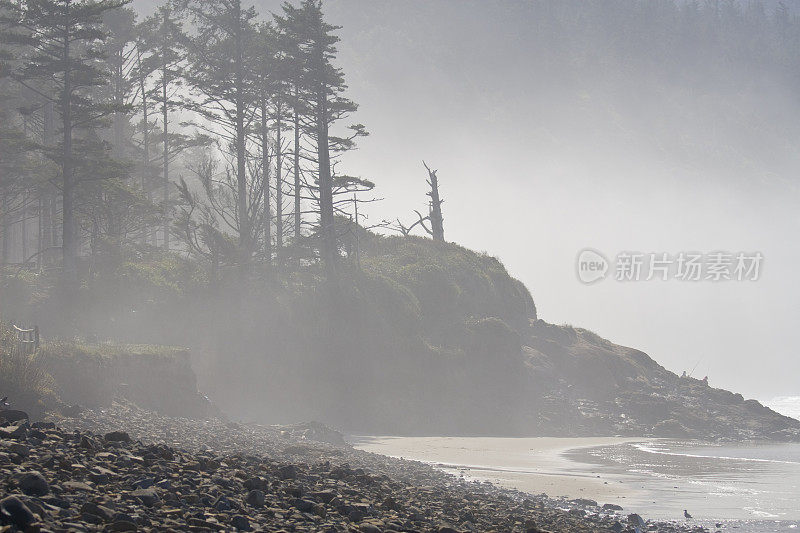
[541, 155]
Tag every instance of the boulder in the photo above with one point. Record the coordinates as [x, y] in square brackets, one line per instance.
[14, 512]
[13, 415]
[241, 523]
[149, 497]
[13, 432]
[287, 472]
[117, 436]
[33, 484]
[255, 498]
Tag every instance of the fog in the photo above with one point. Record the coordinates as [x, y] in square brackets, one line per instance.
[618, 126]
[539, 158]
[225, 258]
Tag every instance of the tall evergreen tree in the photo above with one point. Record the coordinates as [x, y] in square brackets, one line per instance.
[162, 44]
[64, 39]
[222, 52]
[321, 89]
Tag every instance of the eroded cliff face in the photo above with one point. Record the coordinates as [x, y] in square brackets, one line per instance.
[158, 378]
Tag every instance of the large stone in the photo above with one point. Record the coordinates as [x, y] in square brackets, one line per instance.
[255, 483]
[100, 511]
[121, 525]
[304, 506]
[33, 484]
[287, 472]
[255, 498]
[13, 415]
[14, 512]
[76, 486]
[19, 449]
[13, 432]
[117, 436]
[241, 523]
[149, 497]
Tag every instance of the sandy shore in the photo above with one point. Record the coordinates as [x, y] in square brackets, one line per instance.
[533, 465]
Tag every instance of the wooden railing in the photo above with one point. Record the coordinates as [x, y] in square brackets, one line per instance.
[27, 339]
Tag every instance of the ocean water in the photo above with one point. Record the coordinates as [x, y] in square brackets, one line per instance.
[753, 487]
[750, 487]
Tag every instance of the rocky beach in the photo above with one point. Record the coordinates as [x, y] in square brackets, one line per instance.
[126, 469]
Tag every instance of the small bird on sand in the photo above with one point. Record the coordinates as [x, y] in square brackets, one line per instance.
[4, 402]
[686, 514]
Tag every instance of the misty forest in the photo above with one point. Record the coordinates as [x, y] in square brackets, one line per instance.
[203, 271]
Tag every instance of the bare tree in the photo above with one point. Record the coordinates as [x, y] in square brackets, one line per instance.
[437, 222]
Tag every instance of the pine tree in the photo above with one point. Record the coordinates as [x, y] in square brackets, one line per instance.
[222, 51]
[321, 88]
[163, 57]
[63, 65]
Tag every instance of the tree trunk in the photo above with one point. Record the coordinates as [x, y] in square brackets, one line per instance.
[435, 211]
[241, 161]
[165, 119]
[328, 248]
[119, 99]
[278, 182]
[146, 142]
[437, 223]
[297, 214]
[265, 182]
[69, 245]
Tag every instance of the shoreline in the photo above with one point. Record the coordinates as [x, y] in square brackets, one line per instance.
[599, 469]
[535, 465]
[195, 475]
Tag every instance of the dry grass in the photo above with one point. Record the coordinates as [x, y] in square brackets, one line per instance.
[22, 377]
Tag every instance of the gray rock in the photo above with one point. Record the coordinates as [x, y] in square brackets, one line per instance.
[14, 512]
[145, 483]
[33, 484]
[255, 483]
[76, 486]
[304, 506]
[612, 507]
[19, 449]
[121, 525]
[355, 515]
[287, 472]
[106, 514]
[13, 415]
[13, 432]
[241, 523]
[117, 436]
[149, 497]
[255, 498]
